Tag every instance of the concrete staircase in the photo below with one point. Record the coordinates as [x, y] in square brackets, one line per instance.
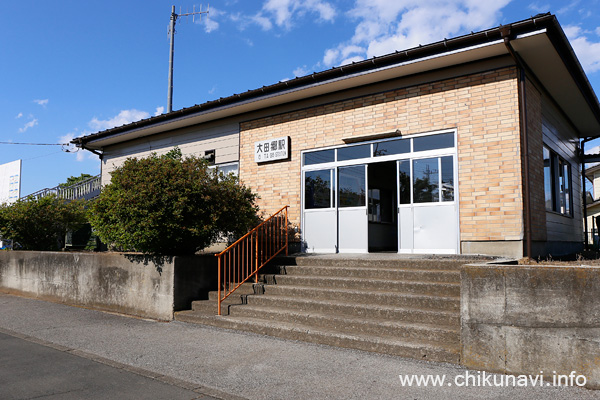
[399, 306]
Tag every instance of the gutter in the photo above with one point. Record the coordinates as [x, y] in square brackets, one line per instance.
[82, 146]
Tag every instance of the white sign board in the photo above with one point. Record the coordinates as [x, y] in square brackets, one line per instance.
[271, 149]
[10, 182]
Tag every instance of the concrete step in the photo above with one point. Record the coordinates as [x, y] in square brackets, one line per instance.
[404, 274]
[413, 348]
[342, 323]
[333, 282]
[356, 296]
[378, 261]
[383, 312]
[245, 289]
[211, 307]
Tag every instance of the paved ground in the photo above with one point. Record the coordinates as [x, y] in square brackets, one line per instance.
[220, 363]
[32, 371]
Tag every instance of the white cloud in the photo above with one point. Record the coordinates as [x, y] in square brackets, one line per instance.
[19, 115]
[539, 8]
[123, 118]
[263, 22]
[300, 71]
[66, 138]
[159, 110]
[210, 25]
[568, 7]
[587, 51]
[42, 103]
[283, 12]
[384, 26]
[210, 20]
[28, 125]
[80, 154]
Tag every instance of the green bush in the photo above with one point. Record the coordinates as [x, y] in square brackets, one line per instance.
[41, 224]
[171, 205]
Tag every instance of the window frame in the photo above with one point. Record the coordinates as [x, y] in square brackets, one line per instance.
[561, 185]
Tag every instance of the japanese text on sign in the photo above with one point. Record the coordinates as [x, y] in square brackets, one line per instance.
[271, 149]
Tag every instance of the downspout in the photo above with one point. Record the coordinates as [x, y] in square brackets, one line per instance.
[585, 215]
[505, 31]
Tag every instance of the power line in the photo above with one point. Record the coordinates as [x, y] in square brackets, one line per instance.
[38, 144]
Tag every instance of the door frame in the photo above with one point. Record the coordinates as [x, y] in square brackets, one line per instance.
[335, 164]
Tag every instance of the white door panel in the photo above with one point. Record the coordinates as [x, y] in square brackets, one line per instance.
[353, 226]
[320, 234]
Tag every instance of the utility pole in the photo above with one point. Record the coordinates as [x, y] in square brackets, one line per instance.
[174, 17]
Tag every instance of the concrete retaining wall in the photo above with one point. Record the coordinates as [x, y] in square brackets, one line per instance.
[124, 283]
[522, 320]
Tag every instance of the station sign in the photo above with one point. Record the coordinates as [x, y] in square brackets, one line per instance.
[271, 149]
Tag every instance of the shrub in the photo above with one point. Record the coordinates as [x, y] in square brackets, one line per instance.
[41, 224]
[171, 205]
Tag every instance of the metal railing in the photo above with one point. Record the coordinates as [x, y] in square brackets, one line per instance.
[244, 258]
[87, 189]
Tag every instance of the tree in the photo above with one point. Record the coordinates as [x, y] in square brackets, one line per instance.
[171, 205]
[41, 223]
[72, 180]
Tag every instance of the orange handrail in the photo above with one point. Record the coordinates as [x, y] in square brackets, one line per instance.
[246, 256]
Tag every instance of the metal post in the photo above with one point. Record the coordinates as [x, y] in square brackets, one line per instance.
[170, 92]
[219, 279]
[585, 216]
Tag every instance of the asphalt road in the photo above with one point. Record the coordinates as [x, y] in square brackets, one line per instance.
[32, 371]
[80, 345]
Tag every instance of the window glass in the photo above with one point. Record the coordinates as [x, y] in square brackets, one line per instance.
[352, 188]
[433, 142]
[565, 175]
[447, 178]
[404, 178]
[426, 181]
[400, 146]
[319, 157]
[548, 193]
[557, 183]
[228, 169]
[317, 189]
[354, 152]
[374, 205]
[381, 207]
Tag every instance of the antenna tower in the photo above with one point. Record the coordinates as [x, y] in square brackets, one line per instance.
[174, 17]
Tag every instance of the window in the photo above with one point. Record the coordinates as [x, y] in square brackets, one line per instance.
[319, 157]
[433, 142]
[226, 169]
[426, 183]
[400, 146]
[318, 189]
[353, 152]
[557, 183]
[352, 186]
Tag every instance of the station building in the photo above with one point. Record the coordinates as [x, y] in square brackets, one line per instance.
[471, 145]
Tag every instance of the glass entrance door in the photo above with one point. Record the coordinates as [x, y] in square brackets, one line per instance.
[352, 209]
[427, 213]
[320, 216]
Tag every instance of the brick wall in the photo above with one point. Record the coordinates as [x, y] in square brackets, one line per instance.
[482, 107]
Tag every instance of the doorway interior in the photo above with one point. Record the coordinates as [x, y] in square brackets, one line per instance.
[382, 207]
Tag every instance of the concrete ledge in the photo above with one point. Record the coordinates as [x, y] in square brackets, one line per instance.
[119, 282]
[525, 319]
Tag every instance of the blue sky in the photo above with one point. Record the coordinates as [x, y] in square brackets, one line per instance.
[70, 68]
